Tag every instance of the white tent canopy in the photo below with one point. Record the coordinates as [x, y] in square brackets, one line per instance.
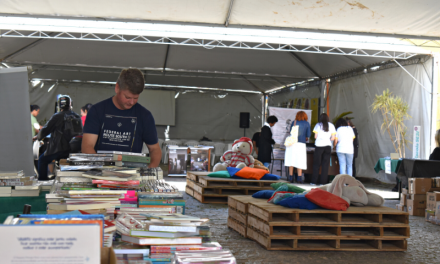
[401, 17]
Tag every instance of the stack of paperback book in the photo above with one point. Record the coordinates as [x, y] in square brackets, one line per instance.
[17, 184]
[166, 234]
[172, 199]
[205, 257]
[86, 199]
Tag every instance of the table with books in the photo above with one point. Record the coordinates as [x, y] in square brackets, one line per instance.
[16, 190]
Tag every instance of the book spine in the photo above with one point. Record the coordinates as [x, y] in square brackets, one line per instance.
[160, 203]
[92, 163]
[131, 164]
[127, 158]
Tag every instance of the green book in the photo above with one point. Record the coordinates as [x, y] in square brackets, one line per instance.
[129, 158]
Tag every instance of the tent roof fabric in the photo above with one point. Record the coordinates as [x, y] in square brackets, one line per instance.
[405, 17]
[278, 56]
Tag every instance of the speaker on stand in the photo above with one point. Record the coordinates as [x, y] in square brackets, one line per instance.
[245, 119]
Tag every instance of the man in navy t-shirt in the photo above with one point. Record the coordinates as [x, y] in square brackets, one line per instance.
[120, 123]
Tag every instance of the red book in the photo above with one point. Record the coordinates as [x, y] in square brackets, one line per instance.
[115, 182]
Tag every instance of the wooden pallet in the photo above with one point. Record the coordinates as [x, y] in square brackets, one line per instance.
[194, 175]
[206, 181]
[237, 226]
[368, 215]
[326, 244]
[357, 229]
[217, 190]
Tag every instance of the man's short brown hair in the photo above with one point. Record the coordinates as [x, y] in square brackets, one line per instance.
[131, 79]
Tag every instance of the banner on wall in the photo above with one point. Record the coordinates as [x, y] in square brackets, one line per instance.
[416, 142]
[285, 116]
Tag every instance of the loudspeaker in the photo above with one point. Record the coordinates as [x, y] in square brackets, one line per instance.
[245, 120]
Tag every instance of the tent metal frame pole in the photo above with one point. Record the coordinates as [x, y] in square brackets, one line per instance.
[434, 100]
[305, 65]
[229, 13]
[208, 43]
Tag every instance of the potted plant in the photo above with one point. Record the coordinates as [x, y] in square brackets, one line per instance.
[394, 112]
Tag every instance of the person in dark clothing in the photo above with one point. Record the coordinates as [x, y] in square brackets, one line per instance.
[266, 141]
[255, 141]
[355, 144]
[324, 135]
[58, 146]
[435, 155]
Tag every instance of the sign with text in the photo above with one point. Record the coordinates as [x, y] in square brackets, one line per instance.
[416, 142]
[388, 166]
[38, 244]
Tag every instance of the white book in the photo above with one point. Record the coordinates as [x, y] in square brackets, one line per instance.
[5, 189]
[121, 153]
[11, 173]
[143, 233]
[75, 179]
[106, 178]
[169, 228]
[5, 195]
[25, 188]
[145, 252]
[68, 173]
[25, 193]
[162, 241]
[78, 206]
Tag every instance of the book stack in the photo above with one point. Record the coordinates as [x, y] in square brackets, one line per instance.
[17, 184]
[93, 199]
[166, 234]
[172, 199]
[208, 256]
[128, 252]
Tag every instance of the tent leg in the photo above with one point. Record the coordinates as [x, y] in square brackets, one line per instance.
[434, 100]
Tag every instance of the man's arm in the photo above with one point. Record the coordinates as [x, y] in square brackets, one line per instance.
[49, 127]
[88, 143]
[155, 155]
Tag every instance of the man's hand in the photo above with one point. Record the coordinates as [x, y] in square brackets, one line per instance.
[34, 138]
[155, 155]
[88, 143]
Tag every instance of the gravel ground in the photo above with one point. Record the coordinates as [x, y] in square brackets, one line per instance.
[422, 246]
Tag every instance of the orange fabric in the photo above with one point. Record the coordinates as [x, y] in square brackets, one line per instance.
[327, 200]
[251, 173]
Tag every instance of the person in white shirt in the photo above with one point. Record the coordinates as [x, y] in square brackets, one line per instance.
[324, 135]
[344, 146]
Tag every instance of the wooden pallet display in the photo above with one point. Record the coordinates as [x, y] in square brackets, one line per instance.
[237, 212]
[217, 190]
[357, 229]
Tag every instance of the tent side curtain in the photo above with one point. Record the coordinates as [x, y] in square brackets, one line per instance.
[215, 116]
[357, 94]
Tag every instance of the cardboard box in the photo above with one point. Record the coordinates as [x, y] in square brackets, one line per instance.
[428, 214]
[403, 199]
[431, 199]
[437, 210]
[419, 185]
[412, 210]
[401, 207]
[419, 200]
[108, 256]
[404, 191]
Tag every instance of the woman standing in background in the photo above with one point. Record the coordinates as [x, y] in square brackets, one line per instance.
[344, 146]
[324, 135]
[296, 155]
[355, 145]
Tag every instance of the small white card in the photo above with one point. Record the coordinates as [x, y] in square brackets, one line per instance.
[388, 166]
[40, 244]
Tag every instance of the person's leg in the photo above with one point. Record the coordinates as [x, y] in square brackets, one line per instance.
[290, 176]
[354, 167]
[327, 152]
[43, 162]
[342, 163]
[316, 164]
[349, 159]
[300, 176]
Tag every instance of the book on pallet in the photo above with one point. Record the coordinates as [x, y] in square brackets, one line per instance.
[162, 241]
[129, 164]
